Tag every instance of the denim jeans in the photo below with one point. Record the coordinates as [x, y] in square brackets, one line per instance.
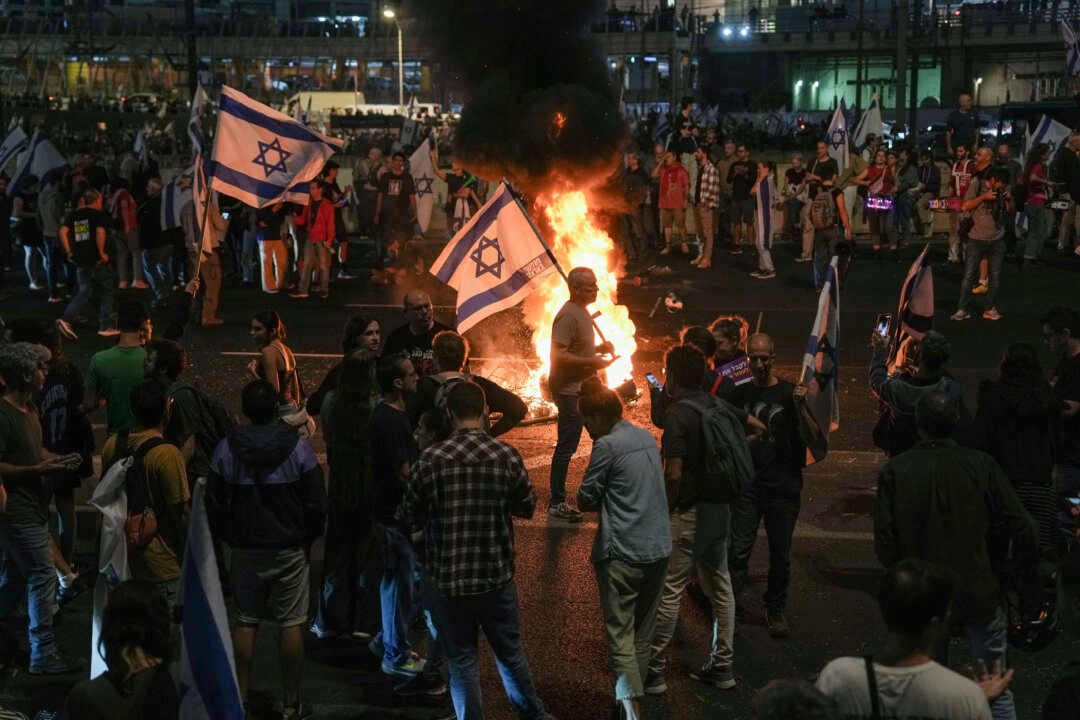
[157, 264]
[458, 621]
[881, 226]
[779, 510]
[974, 252]
[569, 435]
[316, 259]
[41, 252]
[715, 583]
[824, 248]
[1039, 220]
[989, 642]
[58, 268]
[629, 596]
[396, 593]
[792, 218]
[127, 244]
[102, 279]
[27, 568]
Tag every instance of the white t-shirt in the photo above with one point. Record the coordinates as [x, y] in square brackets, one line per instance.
[922, 692]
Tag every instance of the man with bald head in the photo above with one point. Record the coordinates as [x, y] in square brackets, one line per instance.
[774, 492]
[575, 356]
[413, 339]
[962, 127]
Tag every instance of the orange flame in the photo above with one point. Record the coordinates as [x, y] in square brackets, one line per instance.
[559, 121]
[577, 242]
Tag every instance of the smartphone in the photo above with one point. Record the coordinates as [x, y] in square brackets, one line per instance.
[653, 381]
[884, 324]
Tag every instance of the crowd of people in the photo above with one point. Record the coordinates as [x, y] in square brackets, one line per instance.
[995, 206]
[418, 506]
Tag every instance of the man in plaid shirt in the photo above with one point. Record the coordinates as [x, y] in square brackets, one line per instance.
[462, 493]
[706, 200]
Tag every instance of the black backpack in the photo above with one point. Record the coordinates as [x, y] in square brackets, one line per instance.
[729, 467]
[215, 419]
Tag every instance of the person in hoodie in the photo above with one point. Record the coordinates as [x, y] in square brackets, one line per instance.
[915, 598]
[265, 498]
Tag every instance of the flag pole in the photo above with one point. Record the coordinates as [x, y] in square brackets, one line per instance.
[554, 260]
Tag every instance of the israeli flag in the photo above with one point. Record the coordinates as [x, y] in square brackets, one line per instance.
[870, 122]
[208, 687]
[175, 197]
[262, 156]
[1072, 52]
[142, 152]
[423, 175]
[662, 129]
[41, 159]
[194, 128]
[916, 311]
[837, 138]
[13, 144]
[821, 364]
[1047, 131]
[495, 261]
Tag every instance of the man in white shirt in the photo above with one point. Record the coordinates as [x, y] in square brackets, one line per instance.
[915, 598]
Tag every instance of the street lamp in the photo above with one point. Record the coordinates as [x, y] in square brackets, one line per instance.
[391, 15]
[978, 82]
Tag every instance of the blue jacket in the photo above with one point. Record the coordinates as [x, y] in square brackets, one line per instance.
[265, 489]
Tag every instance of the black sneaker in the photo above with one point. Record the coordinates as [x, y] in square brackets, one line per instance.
[66, 594]
[421, 685]
[777, 624]
[564, 512]
[720, 677]
[55, 664]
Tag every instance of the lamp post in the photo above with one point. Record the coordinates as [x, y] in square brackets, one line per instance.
[391, 15]
[978, 83]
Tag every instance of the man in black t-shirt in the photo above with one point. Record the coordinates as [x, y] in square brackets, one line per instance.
[395, 213]
[1061, 331]
[83, 237]
[962, 126]
[413, 339]
[741, 175]
[774, 493]
[392, 455]
[683, 138]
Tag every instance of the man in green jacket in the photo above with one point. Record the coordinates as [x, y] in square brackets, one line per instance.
[938, 502]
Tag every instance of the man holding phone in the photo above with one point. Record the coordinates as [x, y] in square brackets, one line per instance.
[24, 509]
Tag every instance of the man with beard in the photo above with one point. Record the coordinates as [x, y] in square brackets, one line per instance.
[774, 491]
[395, 211]
[959, 179]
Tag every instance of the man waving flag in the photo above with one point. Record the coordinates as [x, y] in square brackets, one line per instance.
[495, 261]
[262, 156]
[821, 367]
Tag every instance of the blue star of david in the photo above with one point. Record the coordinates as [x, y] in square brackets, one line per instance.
[477, 256]
[838, 138]
[268, 167]
[423, 186]
[827, 373]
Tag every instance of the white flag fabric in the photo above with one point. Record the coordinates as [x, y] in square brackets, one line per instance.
[821, 366]
[423, 175]
[110, 499]
[1047, 131]
[41, 159]
[495, 261]
[142, 152]
[915, 315]
[869, 123]
[262, 156]
[13, 144]
[1072, 52]
[837, 138]
[208, 687]
[175, 197]
[194, 128]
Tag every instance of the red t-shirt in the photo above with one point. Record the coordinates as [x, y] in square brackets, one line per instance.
[674, 184]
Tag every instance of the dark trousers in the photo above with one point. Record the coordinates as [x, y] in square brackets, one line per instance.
[780, 511]
[351, 569]
[458, 621]
[569, 435]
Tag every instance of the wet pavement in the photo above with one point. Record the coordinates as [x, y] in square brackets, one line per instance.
[831, 609]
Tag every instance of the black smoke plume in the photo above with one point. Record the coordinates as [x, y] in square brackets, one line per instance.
[541, 107]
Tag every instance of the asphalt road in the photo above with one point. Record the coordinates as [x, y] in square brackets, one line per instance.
[831, 609]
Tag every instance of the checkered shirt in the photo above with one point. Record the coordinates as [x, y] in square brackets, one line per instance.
[709, 179]
[463, 493]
